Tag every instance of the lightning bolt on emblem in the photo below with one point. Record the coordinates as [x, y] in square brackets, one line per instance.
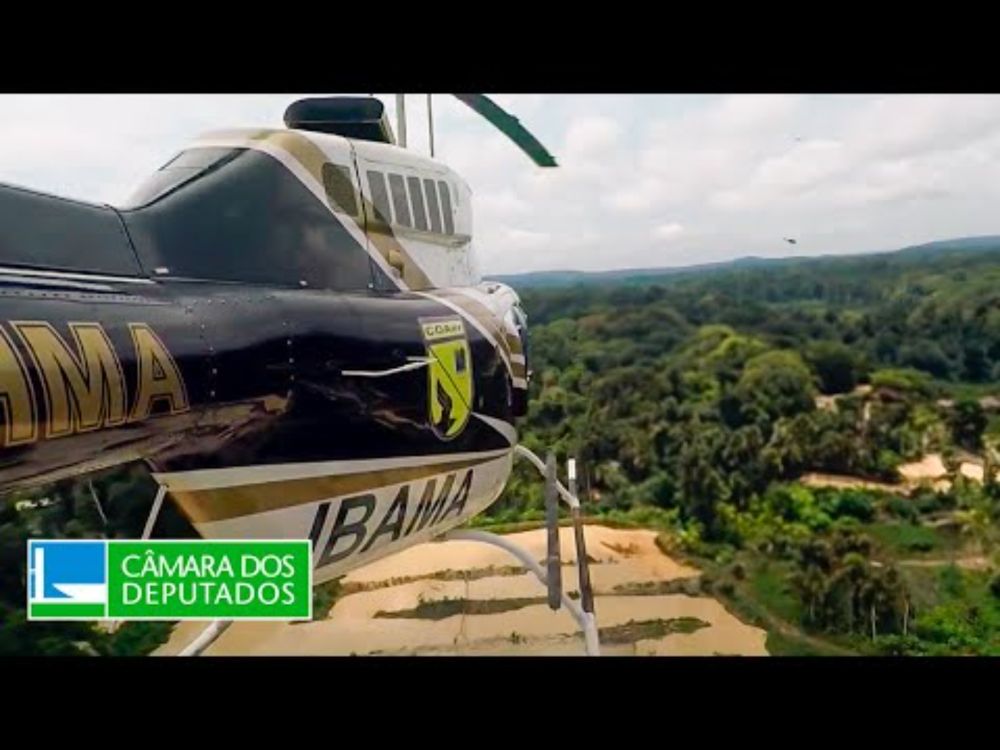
[449, 385]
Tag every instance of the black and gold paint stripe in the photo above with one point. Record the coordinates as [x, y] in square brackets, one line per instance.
[312, 159]
[226, 503]
[508, 343]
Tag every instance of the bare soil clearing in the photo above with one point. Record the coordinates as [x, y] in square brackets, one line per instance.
[519, 625]
[930, 470]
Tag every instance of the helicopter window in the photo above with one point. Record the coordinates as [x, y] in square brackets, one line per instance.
[449, 223]
[250, 220]
[184, 167]
[380, 197]
[433, 210]
[417, 201]
[339, 188]
[197, 158]
[399, 203]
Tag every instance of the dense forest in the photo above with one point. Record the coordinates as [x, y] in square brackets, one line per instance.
[112, 504]
[699, 403]
[699, 400]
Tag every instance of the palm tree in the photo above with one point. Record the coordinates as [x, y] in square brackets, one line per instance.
[898, 595]
[811, 585]
[975, 523]
[816, 553]
[850, 579]
[882, 592]
[868, 596]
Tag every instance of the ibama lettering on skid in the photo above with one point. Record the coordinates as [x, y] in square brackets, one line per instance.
[354, 529]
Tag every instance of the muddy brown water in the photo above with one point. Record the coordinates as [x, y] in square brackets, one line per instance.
[620, 557]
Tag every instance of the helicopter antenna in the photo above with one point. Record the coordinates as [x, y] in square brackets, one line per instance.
[401, 118]
[430, 124]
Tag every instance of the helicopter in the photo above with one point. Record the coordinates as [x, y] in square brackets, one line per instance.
[287, 326]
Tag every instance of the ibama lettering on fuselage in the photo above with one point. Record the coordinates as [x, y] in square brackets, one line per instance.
[81, 383]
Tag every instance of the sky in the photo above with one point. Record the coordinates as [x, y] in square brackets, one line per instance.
[643, 180]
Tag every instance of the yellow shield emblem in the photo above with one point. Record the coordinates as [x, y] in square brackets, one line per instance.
[449, 375]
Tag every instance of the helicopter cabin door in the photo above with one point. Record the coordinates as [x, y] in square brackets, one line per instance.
[420, 349]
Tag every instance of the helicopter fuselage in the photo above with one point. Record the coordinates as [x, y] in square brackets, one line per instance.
[287, 327]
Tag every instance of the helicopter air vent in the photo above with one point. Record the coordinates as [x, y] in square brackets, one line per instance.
[360, 117]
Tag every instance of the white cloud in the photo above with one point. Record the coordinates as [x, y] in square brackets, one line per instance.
[737, 114]
[525, 239]
[100, 147]
[643, 180]
[501, 204]
[591, 136]
[641, 196]
[667, 231]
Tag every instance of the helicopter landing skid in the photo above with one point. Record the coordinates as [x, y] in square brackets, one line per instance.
[582, 612]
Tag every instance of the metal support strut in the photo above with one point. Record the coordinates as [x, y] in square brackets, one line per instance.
[147, 530]
[582, 561]
[554, 559]
[154, 512]
[583, 613]
[214, 629]
[569, 496]
[584, 619]
[206, 638]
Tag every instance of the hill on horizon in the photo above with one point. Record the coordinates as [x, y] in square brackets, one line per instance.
[925, 251]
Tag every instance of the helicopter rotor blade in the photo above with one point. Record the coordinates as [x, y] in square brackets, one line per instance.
[509, 126]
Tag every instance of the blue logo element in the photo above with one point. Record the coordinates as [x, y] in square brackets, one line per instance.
[67, 579]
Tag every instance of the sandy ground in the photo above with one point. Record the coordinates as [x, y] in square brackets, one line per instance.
[929, 470]
[931, 467]
[620, 557]
[972, 471]
[826, 403]
[969, 563]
